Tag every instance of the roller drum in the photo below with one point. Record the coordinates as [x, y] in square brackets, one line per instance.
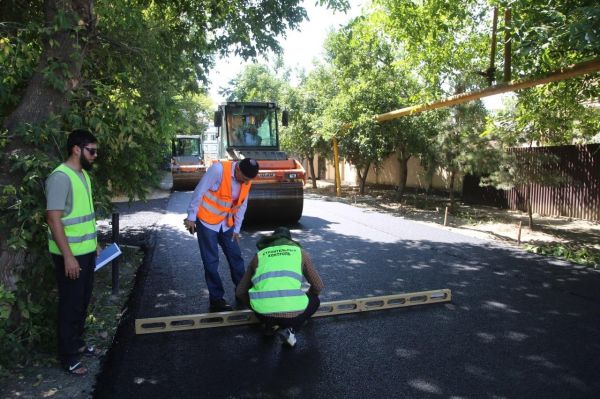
[281, 202]
[186, 181]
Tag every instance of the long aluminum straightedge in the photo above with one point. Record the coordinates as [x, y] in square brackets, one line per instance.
[240, 317]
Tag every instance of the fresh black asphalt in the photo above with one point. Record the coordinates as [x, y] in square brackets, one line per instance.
[518, 326]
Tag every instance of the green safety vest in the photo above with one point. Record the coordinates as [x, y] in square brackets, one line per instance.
[80, 223]
[277, 281]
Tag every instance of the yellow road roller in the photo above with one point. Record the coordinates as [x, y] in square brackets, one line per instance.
[250, 130]
[187, 161]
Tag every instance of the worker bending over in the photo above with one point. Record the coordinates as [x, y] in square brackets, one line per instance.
[216, 213]
[272, 285]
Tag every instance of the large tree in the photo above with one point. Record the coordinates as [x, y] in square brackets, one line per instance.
[301, 137]
[458, 145]
[126, 70]
[364, 71]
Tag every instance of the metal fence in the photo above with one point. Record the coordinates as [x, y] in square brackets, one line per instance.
[578, 197]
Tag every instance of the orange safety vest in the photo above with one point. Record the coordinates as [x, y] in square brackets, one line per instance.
[216, 205]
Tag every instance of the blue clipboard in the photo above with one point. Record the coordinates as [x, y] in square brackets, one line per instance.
[108, 254]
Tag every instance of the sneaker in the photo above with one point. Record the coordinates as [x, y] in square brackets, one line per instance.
[288, 337]
[76, 368]
[220, 306]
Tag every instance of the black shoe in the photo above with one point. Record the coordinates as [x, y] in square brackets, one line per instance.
[220, 306]
[269, 330]
[240, 306]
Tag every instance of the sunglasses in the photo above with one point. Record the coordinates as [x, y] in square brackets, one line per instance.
[92, 151]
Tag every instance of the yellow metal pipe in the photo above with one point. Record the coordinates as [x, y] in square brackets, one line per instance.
[562, 74]
[336, 165]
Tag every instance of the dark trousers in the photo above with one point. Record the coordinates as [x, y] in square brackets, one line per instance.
[209, 242]
[73, 300]
[293, 322]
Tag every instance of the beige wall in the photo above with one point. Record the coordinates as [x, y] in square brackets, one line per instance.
[348, 173]
[388, 174]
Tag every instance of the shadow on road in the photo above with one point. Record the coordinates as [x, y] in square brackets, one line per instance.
[519, 325]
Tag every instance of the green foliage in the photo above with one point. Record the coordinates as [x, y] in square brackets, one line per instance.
[19, 53]
[7, 299]
[547, 36]
[459, 147]
[444, 40]
[321, 87]
[141, 72]
[8, 338]
[300, 137]
[448, 42]
[23, 206]
[553, 33]
[572, 252]
[363, 71]
[258, 82]
[517, 168]
[132, 144]
[22, 221]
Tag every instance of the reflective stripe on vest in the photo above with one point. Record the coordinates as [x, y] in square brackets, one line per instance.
[218, 205]
[80, 223]
[278, 280]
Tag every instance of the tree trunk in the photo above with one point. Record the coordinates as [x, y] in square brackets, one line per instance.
[41, 100]
[451, 188]
[11, 264]
[403, 171]
[311, 166]
[363, 178]
[529, 210]
[429, 179]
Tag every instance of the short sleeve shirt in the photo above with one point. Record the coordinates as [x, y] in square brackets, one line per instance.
[59, 196]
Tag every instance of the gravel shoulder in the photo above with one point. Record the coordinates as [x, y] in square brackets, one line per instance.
[477, 221]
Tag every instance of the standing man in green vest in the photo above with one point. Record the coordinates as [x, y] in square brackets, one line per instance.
[73, 245]
[272, 285]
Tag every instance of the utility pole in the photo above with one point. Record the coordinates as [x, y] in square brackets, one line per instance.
[507, 45]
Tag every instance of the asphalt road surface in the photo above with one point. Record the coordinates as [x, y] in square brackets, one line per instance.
[518, 326]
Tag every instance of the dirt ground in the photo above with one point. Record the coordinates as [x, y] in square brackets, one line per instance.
[478, 221]
[42, 377]
[46, 380]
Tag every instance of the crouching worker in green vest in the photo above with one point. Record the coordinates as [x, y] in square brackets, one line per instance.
[73, 245]
[272, 285]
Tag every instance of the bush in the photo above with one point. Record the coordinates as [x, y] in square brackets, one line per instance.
[574, 253]
[29, 307]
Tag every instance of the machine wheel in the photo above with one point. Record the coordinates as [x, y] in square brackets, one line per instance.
[275, 203]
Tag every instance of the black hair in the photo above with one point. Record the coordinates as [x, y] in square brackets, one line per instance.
[249, 167]
[80, 138]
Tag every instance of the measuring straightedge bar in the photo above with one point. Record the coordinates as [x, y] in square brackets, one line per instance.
[240, 317]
